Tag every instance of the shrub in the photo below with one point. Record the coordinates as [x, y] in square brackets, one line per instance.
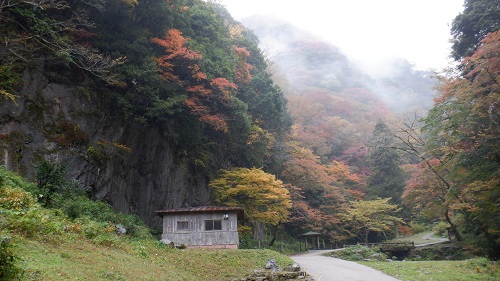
[441, 228]
[15, 199]
[8, 268]
[50, 182]
[418, 227]
[35, 221]
[358, 253]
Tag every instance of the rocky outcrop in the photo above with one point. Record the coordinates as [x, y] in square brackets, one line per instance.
[127, 164]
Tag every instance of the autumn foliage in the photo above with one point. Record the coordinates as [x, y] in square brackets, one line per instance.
[459, 178]
[264, 198]
[180, 65]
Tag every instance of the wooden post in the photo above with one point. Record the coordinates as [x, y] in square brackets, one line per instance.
[317, 240]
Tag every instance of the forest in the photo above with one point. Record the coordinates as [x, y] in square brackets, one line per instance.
[301, 147]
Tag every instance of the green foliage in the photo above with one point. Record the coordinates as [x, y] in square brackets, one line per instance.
[285, 244]
[388, 179]
[438, 252]
[463, 137]
[466, 270]
[10, 79]
[8, 267]
[368, 216]
[71, 210]
[479, 18]
[441, 228]
[15, 198]
[358, 253]
[418, 227]
[50, 181]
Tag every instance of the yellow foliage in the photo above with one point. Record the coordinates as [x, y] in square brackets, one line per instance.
[263, 197]
[7, 95]
[15, 199]
[131, 3]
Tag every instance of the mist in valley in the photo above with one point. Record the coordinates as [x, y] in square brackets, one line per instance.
[303, 62]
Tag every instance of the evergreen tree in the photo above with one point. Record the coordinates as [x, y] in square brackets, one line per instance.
[388, 179]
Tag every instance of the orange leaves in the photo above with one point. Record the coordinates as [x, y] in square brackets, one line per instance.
[174, 45]
[217, 122]
[177, 55]
[223, 85]
[243, 68]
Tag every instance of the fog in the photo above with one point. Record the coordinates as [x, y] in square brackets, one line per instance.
[309, 62]
[368, 32]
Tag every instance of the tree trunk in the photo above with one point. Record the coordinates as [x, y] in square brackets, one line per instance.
[271, 243]
[258, 232]
[452, 225]
[367, 231]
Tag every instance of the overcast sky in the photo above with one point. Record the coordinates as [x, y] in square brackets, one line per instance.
[369, 30]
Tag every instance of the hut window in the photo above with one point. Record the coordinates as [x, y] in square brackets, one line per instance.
[213, 225]
[182, 225]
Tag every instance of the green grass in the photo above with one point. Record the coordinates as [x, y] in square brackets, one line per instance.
[465, 270]
[83, 260]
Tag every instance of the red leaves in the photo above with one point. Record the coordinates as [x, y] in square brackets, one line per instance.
[243, 68]
[177, 55]
[206, 97]
[223, 85]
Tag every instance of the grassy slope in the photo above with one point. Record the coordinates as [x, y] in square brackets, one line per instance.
[83, 260]
[50, 245]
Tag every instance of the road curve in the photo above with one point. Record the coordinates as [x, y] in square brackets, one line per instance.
[331, 269]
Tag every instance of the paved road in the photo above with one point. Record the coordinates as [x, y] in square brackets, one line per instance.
[331, 269]
[431, 240]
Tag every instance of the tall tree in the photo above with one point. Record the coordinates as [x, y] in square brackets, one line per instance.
[368, 216]
[479, 18]
[388, 179]
[464, 132]
[265, 199]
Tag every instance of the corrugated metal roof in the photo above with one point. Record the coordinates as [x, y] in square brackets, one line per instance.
[203, 209]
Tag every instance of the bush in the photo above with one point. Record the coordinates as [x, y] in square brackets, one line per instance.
[81, 207]
[8, 268]
[418, 227]
[358, 253]
[35, 222]
[441, 228]
[15, 199]
[70, 209]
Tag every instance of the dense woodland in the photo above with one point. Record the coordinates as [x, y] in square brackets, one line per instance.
[301, 147]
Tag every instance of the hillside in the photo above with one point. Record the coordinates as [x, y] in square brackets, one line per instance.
[76, 239]
[308, 62]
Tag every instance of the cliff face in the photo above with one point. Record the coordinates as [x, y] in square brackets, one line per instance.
[128, 165]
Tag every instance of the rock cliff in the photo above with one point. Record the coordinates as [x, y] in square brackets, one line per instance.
[127, 164]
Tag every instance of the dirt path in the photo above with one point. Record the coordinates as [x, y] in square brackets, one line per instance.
[331, 269]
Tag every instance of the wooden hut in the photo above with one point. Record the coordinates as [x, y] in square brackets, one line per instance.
[202, 227]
